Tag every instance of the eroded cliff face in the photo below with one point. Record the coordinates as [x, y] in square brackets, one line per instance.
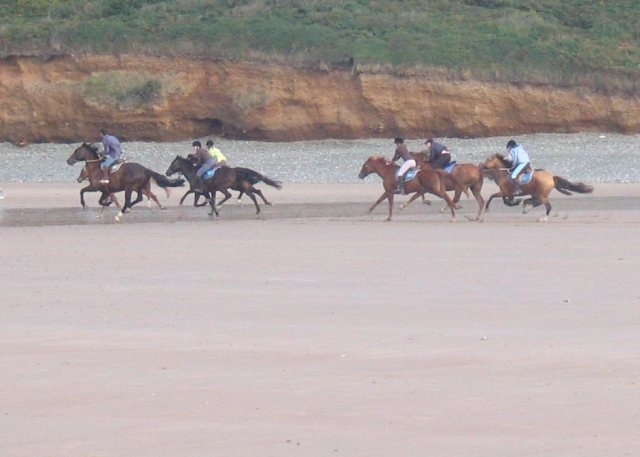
[68, 99]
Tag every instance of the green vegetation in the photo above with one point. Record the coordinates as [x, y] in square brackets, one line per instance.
[592, 43]
[122, 89]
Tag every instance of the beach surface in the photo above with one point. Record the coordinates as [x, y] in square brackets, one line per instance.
[317, 328]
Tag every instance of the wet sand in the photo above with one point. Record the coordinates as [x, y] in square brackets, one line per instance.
[317, 329]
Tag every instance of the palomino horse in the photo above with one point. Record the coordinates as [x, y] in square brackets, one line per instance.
[240, 179]
[540, 186]
[129, 177]
[467, 174]
[432, 181]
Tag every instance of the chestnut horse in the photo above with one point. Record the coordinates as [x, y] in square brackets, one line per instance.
[129, 177]
[467, 174]
[539, 188]
[431, 181]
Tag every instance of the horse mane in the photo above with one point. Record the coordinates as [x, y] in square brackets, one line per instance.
[377, 159]
[92, 147]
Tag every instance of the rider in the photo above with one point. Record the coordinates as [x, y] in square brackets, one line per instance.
[520, 161]
[112, 152]
[217, 153]
[409, 162]
[205, 162]
[439, 154]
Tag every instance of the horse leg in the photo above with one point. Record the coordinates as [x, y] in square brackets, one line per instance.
[212, 203]
[255, 201]
[477, 193]
[424, 200]
[259, 193]
[385, 195]
[443, 195]
[151, 196]
[115, 201]
[413, 197]
[127, 204]
[89, 188]
[497, 194]
[227, 196]
[390, 198]
[239, 199]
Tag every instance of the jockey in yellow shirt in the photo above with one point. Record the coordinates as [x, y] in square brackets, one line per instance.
[217, 154]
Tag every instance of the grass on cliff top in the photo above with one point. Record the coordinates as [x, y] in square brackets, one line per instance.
[589, 43]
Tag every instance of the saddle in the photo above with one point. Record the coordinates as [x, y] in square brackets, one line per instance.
[527, 175]
[210, 173]
[117, 164]
[449, 168]
[409, 175]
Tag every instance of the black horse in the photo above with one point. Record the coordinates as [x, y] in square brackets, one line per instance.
[240, 179]
[129, 177]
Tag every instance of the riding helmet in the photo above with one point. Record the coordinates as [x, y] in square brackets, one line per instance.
[196, 144]
[511, 144]
[398, 140]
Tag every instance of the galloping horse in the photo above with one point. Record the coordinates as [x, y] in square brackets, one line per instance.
[96, 186]
[240, 179]
[129, 177]
[467, 174]
[432, 181]
[540, 186]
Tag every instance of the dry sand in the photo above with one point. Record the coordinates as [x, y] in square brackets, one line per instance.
[317, 329]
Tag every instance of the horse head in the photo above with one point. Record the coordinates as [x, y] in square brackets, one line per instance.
[373, 165]
[179, 165]
[85, 152]
[494, 162]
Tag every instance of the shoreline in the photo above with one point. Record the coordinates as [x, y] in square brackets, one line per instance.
[66, 195]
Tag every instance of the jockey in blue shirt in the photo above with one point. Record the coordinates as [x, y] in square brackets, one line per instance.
[112, 152]
[520, 161]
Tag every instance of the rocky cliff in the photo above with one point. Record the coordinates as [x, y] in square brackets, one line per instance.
[68, 99]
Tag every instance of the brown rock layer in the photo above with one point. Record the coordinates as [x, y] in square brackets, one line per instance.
[68, 98]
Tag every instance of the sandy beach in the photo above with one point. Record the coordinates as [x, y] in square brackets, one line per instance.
[318, 329]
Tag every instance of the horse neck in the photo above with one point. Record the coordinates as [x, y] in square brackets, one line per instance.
[384, 170]
[188, 170]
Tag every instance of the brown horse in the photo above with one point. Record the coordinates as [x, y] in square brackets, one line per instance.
[129, 177]
[540, 186]
[431, 181]
[96, 186]
[240, 179]
[467, 174]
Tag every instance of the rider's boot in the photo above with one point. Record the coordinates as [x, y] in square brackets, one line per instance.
[105, 176]
[400, 188]
[198, 185]
[517, 183]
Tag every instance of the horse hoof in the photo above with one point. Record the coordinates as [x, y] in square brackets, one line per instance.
[163, 207]
[544, 219]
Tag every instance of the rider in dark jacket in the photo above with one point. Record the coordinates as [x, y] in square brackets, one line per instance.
[439, 155]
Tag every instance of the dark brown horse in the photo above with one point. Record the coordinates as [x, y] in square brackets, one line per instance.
[95, 186]
[431, 181]
[240, 179]
[540, 186]
[467, 174]
[130, 177]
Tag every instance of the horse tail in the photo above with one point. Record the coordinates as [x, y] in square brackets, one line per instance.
[566, 187]
[253, 177]
[163, 181]
[444, 175]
